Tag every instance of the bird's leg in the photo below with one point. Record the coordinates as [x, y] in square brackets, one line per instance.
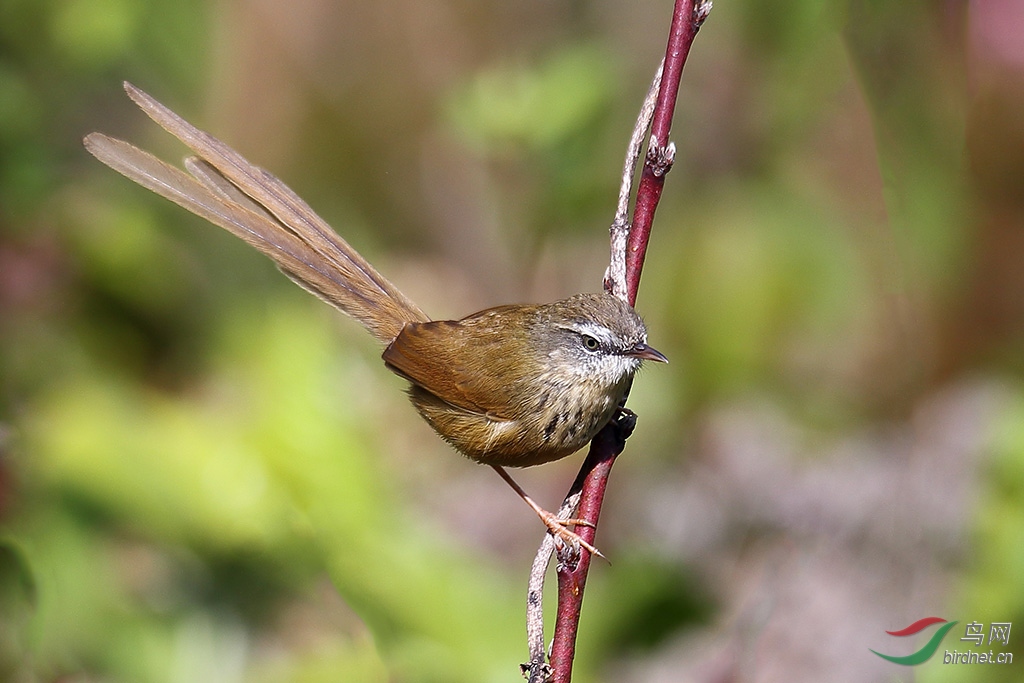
[557, 527]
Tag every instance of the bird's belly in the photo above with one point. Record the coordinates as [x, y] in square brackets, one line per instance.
[538, 437]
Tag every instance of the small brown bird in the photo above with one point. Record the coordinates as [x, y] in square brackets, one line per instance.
[514, 385]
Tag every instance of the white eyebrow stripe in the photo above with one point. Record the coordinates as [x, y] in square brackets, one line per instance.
[595, 330]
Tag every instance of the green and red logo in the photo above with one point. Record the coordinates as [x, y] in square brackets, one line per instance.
[925, 653]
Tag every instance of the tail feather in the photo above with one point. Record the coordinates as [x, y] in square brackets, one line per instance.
[255, 206]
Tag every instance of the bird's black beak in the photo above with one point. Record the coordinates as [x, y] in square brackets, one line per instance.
[647, 353]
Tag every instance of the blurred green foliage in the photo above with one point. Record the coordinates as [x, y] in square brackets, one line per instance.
[189, 445]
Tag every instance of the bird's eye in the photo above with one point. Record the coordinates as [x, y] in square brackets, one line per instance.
[590, 343]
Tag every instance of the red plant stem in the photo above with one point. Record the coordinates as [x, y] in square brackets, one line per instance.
[608, 443]
[572, 581]
[683, 31]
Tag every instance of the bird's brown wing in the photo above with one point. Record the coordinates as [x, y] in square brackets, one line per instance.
[434, 355]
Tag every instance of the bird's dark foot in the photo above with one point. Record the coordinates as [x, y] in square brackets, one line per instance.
[624, 422]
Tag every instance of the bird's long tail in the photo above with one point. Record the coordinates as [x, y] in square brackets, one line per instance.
[252, 204]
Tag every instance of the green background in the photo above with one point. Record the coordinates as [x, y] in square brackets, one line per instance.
[207, 475]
